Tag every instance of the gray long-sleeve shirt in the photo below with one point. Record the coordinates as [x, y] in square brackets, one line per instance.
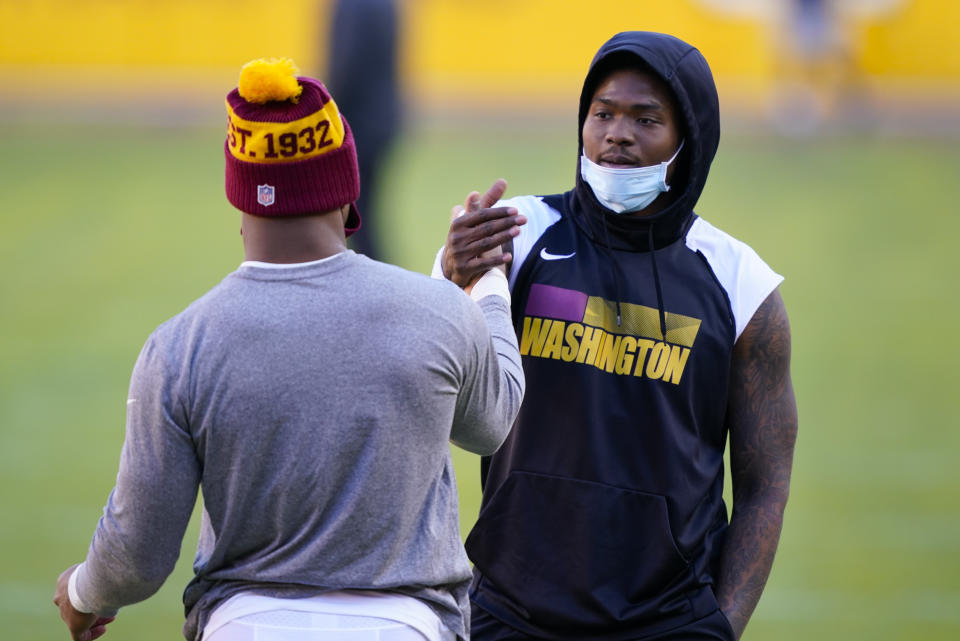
[313, 406]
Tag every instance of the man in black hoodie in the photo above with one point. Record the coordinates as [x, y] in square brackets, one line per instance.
[648, 338]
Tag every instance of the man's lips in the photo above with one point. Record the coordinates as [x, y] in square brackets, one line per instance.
[619, 162]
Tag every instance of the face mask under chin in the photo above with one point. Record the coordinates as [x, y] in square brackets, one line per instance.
[626, 190]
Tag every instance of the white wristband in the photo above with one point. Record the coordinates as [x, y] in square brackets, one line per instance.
[437, 271]
[493, 283]
[75, 599]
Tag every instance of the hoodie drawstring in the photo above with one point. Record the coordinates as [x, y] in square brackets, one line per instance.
[656, 280]
[656, 276]
[616, 265]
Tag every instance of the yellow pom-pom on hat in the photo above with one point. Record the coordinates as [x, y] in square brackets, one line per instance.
[265, 80]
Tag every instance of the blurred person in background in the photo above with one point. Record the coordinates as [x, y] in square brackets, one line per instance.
[363, 76]
[648, 338]
[311, 397]
[816, 79]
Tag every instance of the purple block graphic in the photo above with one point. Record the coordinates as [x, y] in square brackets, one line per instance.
[548, 301]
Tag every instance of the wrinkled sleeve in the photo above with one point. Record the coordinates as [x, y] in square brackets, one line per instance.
[137, 540]
[493, 383]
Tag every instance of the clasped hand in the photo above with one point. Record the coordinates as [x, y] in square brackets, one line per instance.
[83, 626]
[477, 234]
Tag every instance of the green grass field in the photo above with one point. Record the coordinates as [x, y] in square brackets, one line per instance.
[109, 231]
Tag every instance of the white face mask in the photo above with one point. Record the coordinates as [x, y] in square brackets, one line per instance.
[626, 190]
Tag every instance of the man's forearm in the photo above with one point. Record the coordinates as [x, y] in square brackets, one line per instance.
[748, 552]
[494, 404]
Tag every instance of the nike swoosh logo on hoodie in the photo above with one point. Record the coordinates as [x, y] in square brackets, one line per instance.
[544, 254]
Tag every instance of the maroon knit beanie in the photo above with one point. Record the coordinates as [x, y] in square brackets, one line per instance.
[289, 151]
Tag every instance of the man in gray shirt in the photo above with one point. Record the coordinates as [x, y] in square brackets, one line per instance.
[310, 396]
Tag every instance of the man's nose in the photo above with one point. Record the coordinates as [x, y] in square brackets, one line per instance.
[620, 132]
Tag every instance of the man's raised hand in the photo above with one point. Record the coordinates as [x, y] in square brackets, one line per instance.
[477, 233]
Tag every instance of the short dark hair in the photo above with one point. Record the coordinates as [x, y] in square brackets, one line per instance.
[617, 61]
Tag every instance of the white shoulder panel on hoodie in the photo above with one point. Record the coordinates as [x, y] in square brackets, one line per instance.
[540, 216]
[746, 278]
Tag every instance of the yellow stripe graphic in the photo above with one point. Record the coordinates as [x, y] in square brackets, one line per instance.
[640, 320]
[277, 142]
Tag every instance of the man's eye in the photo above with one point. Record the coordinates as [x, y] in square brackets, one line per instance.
[602, 115]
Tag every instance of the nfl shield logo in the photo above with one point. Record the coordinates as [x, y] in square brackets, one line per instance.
[265, 195]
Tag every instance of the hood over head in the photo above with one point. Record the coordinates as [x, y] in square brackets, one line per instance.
[687, 74]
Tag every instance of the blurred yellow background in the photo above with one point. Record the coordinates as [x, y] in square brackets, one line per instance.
[492, 52]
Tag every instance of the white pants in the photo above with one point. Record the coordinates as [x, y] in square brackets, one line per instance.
[291, 625]
[354, 615]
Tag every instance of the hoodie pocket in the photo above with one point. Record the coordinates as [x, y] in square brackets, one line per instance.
[568, 550]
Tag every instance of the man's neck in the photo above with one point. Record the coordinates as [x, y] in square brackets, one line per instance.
[299, 239]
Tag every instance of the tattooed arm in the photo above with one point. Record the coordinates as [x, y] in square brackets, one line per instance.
[762, 417]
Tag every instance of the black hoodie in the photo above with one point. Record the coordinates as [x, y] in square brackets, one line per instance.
[602, 513]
